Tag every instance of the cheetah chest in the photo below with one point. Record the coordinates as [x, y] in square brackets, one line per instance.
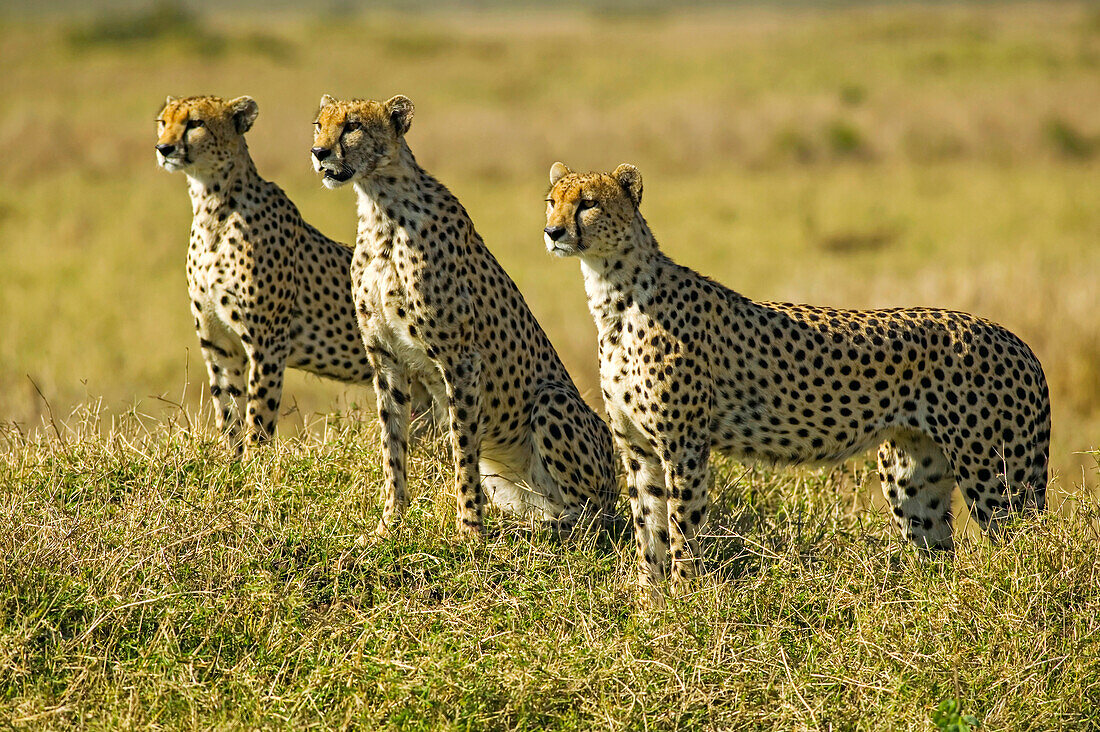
[215, 273]
[619, 373]
[388, 315]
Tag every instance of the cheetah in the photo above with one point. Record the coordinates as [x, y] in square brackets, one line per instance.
[688, 366]
[267, 289]
[434, 304]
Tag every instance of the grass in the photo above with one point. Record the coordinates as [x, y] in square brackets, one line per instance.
[869, 157]
[147, 581]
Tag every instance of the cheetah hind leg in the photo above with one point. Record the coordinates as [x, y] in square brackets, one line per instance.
[997, 490]
[917, 480]
[575, 450]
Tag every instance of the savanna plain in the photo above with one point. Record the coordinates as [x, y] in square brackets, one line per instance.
[875, 156]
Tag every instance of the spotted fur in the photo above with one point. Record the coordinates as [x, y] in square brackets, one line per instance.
[267, 289]
[688, 366]
[434, 304]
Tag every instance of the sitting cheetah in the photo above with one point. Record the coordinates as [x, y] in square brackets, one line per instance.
[688, 366]
[433, 303]
[267, 289]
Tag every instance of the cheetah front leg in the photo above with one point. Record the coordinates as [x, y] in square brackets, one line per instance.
[462, 377]
[645, 482]
[266, 367]
[391, 388]
[686, 480]
[225, 370]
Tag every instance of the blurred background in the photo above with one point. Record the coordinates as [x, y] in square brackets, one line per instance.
[849, 154]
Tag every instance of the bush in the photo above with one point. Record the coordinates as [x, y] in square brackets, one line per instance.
[844, 139]
[164, 19]
[1068, 141]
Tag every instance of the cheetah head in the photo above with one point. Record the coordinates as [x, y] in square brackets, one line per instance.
[199, 135]
[587, 213]
[352, 139]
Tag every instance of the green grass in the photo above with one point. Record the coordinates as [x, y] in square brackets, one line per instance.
[147, 581]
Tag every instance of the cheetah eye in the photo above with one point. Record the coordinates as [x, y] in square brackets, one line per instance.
[351, 126]
[193, 123]
[586, 204]
[551, 202]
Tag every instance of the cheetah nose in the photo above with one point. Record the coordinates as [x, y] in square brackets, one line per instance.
[165, 150]
[555, 232]
[320, 152]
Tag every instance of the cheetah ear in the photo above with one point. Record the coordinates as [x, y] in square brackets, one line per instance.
[400, 111]
[630, 179]
[558, 171]
[169, 100]
[327, 100]
[243, 110]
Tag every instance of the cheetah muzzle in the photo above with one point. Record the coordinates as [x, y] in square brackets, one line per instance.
[340, 175]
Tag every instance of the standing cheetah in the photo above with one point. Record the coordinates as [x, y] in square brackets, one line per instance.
[433, 303]
[688, 366]
[267, 289]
